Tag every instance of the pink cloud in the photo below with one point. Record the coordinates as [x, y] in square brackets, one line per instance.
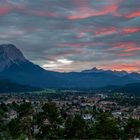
[99, 31]
[81, 35]
[5, 9]
[40, 13]
[85, 12]
[124, 49]
[127, 46]
[24, 9]
[105, 31]
[130, 30]
[133, 14]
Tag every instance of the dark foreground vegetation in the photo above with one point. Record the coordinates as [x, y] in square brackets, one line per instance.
[52, 122]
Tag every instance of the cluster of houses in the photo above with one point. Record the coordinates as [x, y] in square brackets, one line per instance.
[87, 106]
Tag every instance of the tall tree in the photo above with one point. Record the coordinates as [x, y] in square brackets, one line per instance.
[15, 128]
[132, 129]
[105, 127]
[25, 111]
[49, 121]
[75, 128]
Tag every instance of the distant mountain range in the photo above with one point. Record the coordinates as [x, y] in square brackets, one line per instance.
[15, 67]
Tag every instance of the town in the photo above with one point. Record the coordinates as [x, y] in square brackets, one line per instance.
[62, 114]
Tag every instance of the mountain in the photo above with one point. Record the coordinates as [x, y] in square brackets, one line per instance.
[95, 70]
[8, 86]
[10, 55]
[133, 88]
[15, 67]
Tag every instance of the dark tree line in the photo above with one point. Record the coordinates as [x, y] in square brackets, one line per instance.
[50, 124]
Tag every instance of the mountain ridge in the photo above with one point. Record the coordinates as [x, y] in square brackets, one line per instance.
[22, 71]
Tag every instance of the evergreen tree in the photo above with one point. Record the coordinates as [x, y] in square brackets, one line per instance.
[132, 129]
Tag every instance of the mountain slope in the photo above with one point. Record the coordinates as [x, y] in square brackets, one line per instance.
[133, 88]
[14, 66]
[8, 86]
[17, 68]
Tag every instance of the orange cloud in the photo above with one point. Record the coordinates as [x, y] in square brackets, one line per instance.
[123, 66]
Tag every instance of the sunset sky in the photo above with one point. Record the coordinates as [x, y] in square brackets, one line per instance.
[73, 35]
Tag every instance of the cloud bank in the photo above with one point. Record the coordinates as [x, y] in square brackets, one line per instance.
[72, 35]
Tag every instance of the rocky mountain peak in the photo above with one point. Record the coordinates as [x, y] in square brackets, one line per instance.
[9, 55]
